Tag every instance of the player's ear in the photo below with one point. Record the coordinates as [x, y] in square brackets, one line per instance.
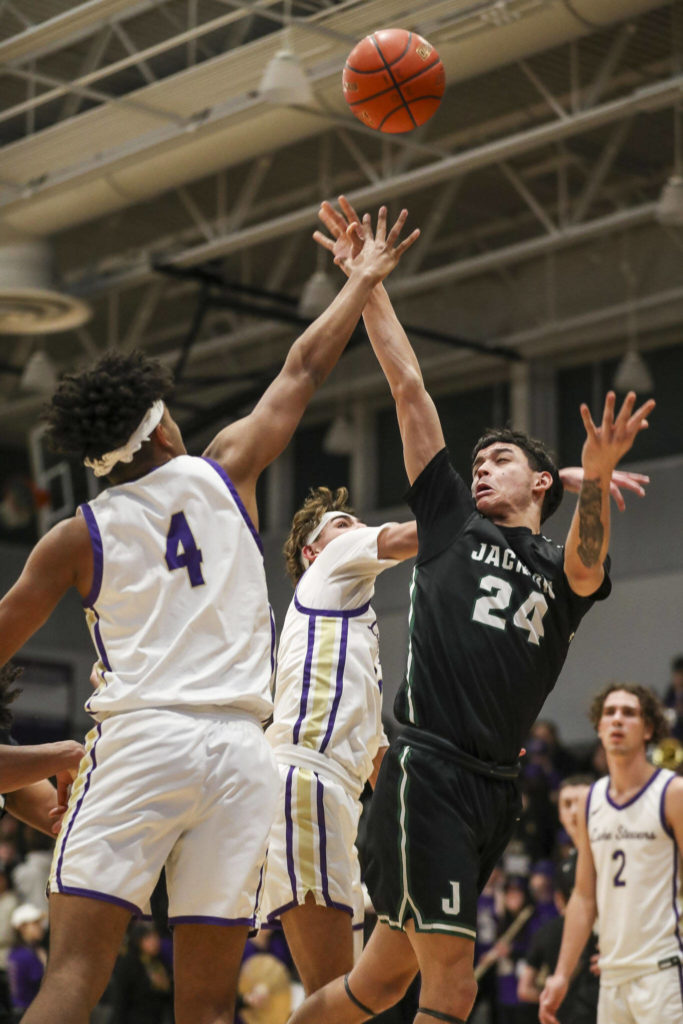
[544, 480]
[162, 436]
[309, 554]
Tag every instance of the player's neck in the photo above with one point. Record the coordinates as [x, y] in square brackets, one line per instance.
[515, 517]
[628, 775]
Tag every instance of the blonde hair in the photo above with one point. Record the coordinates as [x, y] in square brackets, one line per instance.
[319, 501]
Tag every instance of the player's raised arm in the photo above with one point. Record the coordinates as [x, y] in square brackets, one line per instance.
[418, 419]
[245, 448]
[605, 445]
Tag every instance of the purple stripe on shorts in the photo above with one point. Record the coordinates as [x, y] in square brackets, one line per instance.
[93, 894]
[289, 830]
[258, 887]
[86, 787]
[340, 906]
[322, 838]
[200, 919]
[97, 554]
[341, 664]
[306, 680]
[238, 501]
[274, 914]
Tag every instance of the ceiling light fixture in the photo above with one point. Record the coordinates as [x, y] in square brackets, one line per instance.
[284, 81]
[318, 292]
[339, 439]
[632, 373]
[40, 373]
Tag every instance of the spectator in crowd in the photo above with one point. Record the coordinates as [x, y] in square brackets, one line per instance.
[560, 758]
[510, 950]
[673, 698]
[31, 875]
[8, 904]
[580, 1005]
[27, 958]
[489, 910]
[141, 990]
[542, 892]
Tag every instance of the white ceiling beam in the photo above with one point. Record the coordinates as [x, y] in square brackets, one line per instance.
[602, 168]
[91, 61]
[529, 198]
[643, 100]
[69, 27]
[594, 91]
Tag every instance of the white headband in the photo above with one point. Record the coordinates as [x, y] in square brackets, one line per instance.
[105, 463]
[315, 533]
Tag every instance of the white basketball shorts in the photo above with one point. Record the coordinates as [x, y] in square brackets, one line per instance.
[655, 998]
[312, 846]
[192, 790]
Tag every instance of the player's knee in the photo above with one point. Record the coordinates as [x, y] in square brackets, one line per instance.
[388, 990]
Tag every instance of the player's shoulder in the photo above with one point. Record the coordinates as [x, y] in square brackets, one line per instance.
[674, 788]
[67, 533]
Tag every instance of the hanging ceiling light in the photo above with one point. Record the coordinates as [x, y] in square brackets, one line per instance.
[633, 373]
[669, 211]
[318, 292]
[284, 81]
[339, 438]
[40, 373]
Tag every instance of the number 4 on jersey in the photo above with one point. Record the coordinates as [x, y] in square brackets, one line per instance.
[182, 551]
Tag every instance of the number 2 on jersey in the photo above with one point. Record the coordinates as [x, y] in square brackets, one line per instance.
[182, 551]
[619, 856]
[529, 616]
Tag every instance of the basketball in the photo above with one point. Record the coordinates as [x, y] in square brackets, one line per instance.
[393, 80]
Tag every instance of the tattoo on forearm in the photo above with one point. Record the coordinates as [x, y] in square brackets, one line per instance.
[591, 530]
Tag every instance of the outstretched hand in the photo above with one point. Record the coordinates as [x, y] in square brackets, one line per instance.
[572, 478]
[606, 444]
[352, 243]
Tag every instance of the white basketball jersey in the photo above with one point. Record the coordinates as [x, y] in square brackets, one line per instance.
[178, 609]
[638, 880]
[328, 689]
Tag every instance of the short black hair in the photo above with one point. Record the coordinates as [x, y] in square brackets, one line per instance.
[98, 409]
[538, 456]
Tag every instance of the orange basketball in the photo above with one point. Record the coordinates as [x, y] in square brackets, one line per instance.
[393, 80]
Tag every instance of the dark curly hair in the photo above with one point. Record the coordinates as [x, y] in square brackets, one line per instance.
[9, 674]
[318, 501]
[97, 410]
[651, 708]
[538, 456]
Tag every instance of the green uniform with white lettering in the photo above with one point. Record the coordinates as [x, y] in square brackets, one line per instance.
[491, 619]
